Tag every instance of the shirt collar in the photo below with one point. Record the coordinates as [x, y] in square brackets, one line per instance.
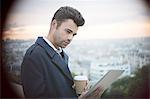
[49, 43]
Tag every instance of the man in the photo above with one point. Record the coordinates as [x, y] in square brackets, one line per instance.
[44, 70]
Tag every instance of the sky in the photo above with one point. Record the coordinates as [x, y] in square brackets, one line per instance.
[104, 19]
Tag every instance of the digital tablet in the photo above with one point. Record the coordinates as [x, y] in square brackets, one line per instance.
[110, 77]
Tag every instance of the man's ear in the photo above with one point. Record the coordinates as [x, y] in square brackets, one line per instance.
[54, 24]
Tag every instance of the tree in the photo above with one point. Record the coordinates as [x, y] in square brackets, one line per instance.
[131, 87]
[139, 86]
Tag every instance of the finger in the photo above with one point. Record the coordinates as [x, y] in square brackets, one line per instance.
[97, 91]
[73, 86]
[87, 82]
[82, 96]
[86, 88]
[101, 92]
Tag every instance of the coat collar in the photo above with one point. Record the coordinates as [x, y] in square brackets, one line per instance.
[61, 63]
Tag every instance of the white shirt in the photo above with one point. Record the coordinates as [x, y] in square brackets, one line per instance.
[49, 43]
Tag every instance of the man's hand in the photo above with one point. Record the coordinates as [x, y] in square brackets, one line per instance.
[95, 95]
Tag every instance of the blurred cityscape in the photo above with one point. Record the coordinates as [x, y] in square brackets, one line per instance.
[89, 57]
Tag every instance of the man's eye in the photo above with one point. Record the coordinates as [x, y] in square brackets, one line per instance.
[68, 31]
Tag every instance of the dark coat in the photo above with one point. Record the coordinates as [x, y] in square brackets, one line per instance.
[45, 73]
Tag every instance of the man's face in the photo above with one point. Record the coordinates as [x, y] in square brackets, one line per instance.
[64, 34]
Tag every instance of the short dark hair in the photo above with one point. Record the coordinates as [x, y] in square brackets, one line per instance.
[67, 12]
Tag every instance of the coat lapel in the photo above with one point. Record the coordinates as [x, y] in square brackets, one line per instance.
[61, 63]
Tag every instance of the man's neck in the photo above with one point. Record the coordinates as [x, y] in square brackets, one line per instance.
[52, 41]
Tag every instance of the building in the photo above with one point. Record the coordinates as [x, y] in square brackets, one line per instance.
[97, 71]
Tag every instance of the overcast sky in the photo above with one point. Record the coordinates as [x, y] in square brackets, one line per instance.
[103, 18]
